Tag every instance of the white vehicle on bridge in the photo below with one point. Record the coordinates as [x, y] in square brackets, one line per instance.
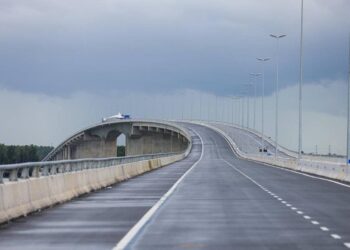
[118, 116]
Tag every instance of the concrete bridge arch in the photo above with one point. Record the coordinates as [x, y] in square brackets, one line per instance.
[142, 137]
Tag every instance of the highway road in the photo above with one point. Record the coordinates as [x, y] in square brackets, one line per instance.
[222, 202]
[248, 142]
[228, 203]
[97, 220]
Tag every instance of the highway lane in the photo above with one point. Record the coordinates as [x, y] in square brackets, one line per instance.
[229, 203]
[97, 220]
[248, 142]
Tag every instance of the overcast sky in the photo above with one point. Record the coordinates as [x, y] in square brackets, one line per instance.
[67, 63]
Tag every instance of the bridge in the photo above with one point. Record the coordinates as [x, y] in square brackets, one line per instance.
[181, 185]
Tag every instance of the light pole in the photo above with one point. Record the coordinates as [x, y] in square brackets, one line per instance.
[208, 102]
[248, 110]
[216, 108]
[262, 60]
[191, 107]
[277, 37]
[235, 109]
[255, 76]
[348, 132]
[239, 111]
[232, 111]
[301, 80]
[248, 103]
[200, 106]
[242, 112]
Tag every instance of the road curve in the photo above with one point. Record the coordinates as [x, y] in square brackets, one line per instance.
[97, 220]
[228, 203]
[222, 203]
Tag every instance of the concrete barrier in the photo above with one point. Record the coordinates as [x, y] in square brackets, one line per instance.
[28, 195]
[330, 170]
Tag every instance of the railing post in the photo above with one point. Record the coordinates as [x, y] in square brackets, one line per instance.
[45, 170]
[61, 168]
[25, 173]
[13, 175]
[67, 168]
[36, 172]
[1, 176]
[53, 169]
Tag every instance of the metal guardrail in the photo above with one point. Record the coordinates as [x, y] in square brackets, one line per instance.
[45, 168]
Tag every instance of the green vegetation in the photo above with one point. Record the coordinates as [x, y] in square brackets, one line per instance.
[10, 154]
[120, 151]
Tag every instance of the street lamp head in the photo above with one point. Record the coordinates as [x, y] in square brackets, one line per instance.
[277, 36]
[263, 59]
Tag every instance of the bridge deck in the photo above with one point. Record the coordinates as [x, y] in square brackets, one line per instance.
[223, 203]
[97, 220]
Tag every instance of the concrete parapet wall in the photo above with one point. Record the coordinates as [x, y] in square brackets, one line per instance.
[330, 170]
[28, 195]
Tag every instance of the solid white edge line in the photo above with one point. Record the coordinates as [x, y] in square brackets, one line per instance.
[223, 134]
[123, 243]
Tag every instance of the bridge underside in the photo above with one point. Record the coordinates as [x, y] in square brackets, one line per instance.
[140, 139]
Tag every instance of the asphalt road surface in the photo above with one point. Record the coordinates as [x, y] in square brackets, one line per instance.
[228, 203]
[222, 203]
[97, 220]
[248, 142]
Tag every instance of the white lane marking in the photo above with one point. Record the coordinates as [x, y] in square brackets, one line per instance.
[336, 236]
[307, 217]
[145, 219]
[223, 134]
[284, 202]
[288, 205]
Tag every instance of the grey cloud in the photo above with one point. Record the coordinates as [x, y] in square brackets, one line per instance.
[62, 47]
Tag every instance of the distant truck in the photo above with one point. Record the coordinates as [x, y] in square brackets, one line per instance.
[118, 116]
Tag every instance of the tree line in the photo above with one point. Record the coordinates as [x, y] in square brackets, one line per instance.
[10, 154]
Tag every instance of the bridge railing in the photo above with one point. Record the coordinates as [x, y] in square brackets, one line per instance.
[13, 172]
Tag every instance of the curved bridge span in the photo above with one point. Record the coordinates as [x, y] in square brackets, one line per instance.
[142, 137]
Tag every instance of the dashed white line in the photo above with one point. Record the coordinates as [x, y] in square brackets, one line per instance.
[336, 236]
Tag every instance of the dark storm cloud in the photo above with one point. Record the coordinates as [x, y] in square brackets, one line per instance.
[62, 47]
